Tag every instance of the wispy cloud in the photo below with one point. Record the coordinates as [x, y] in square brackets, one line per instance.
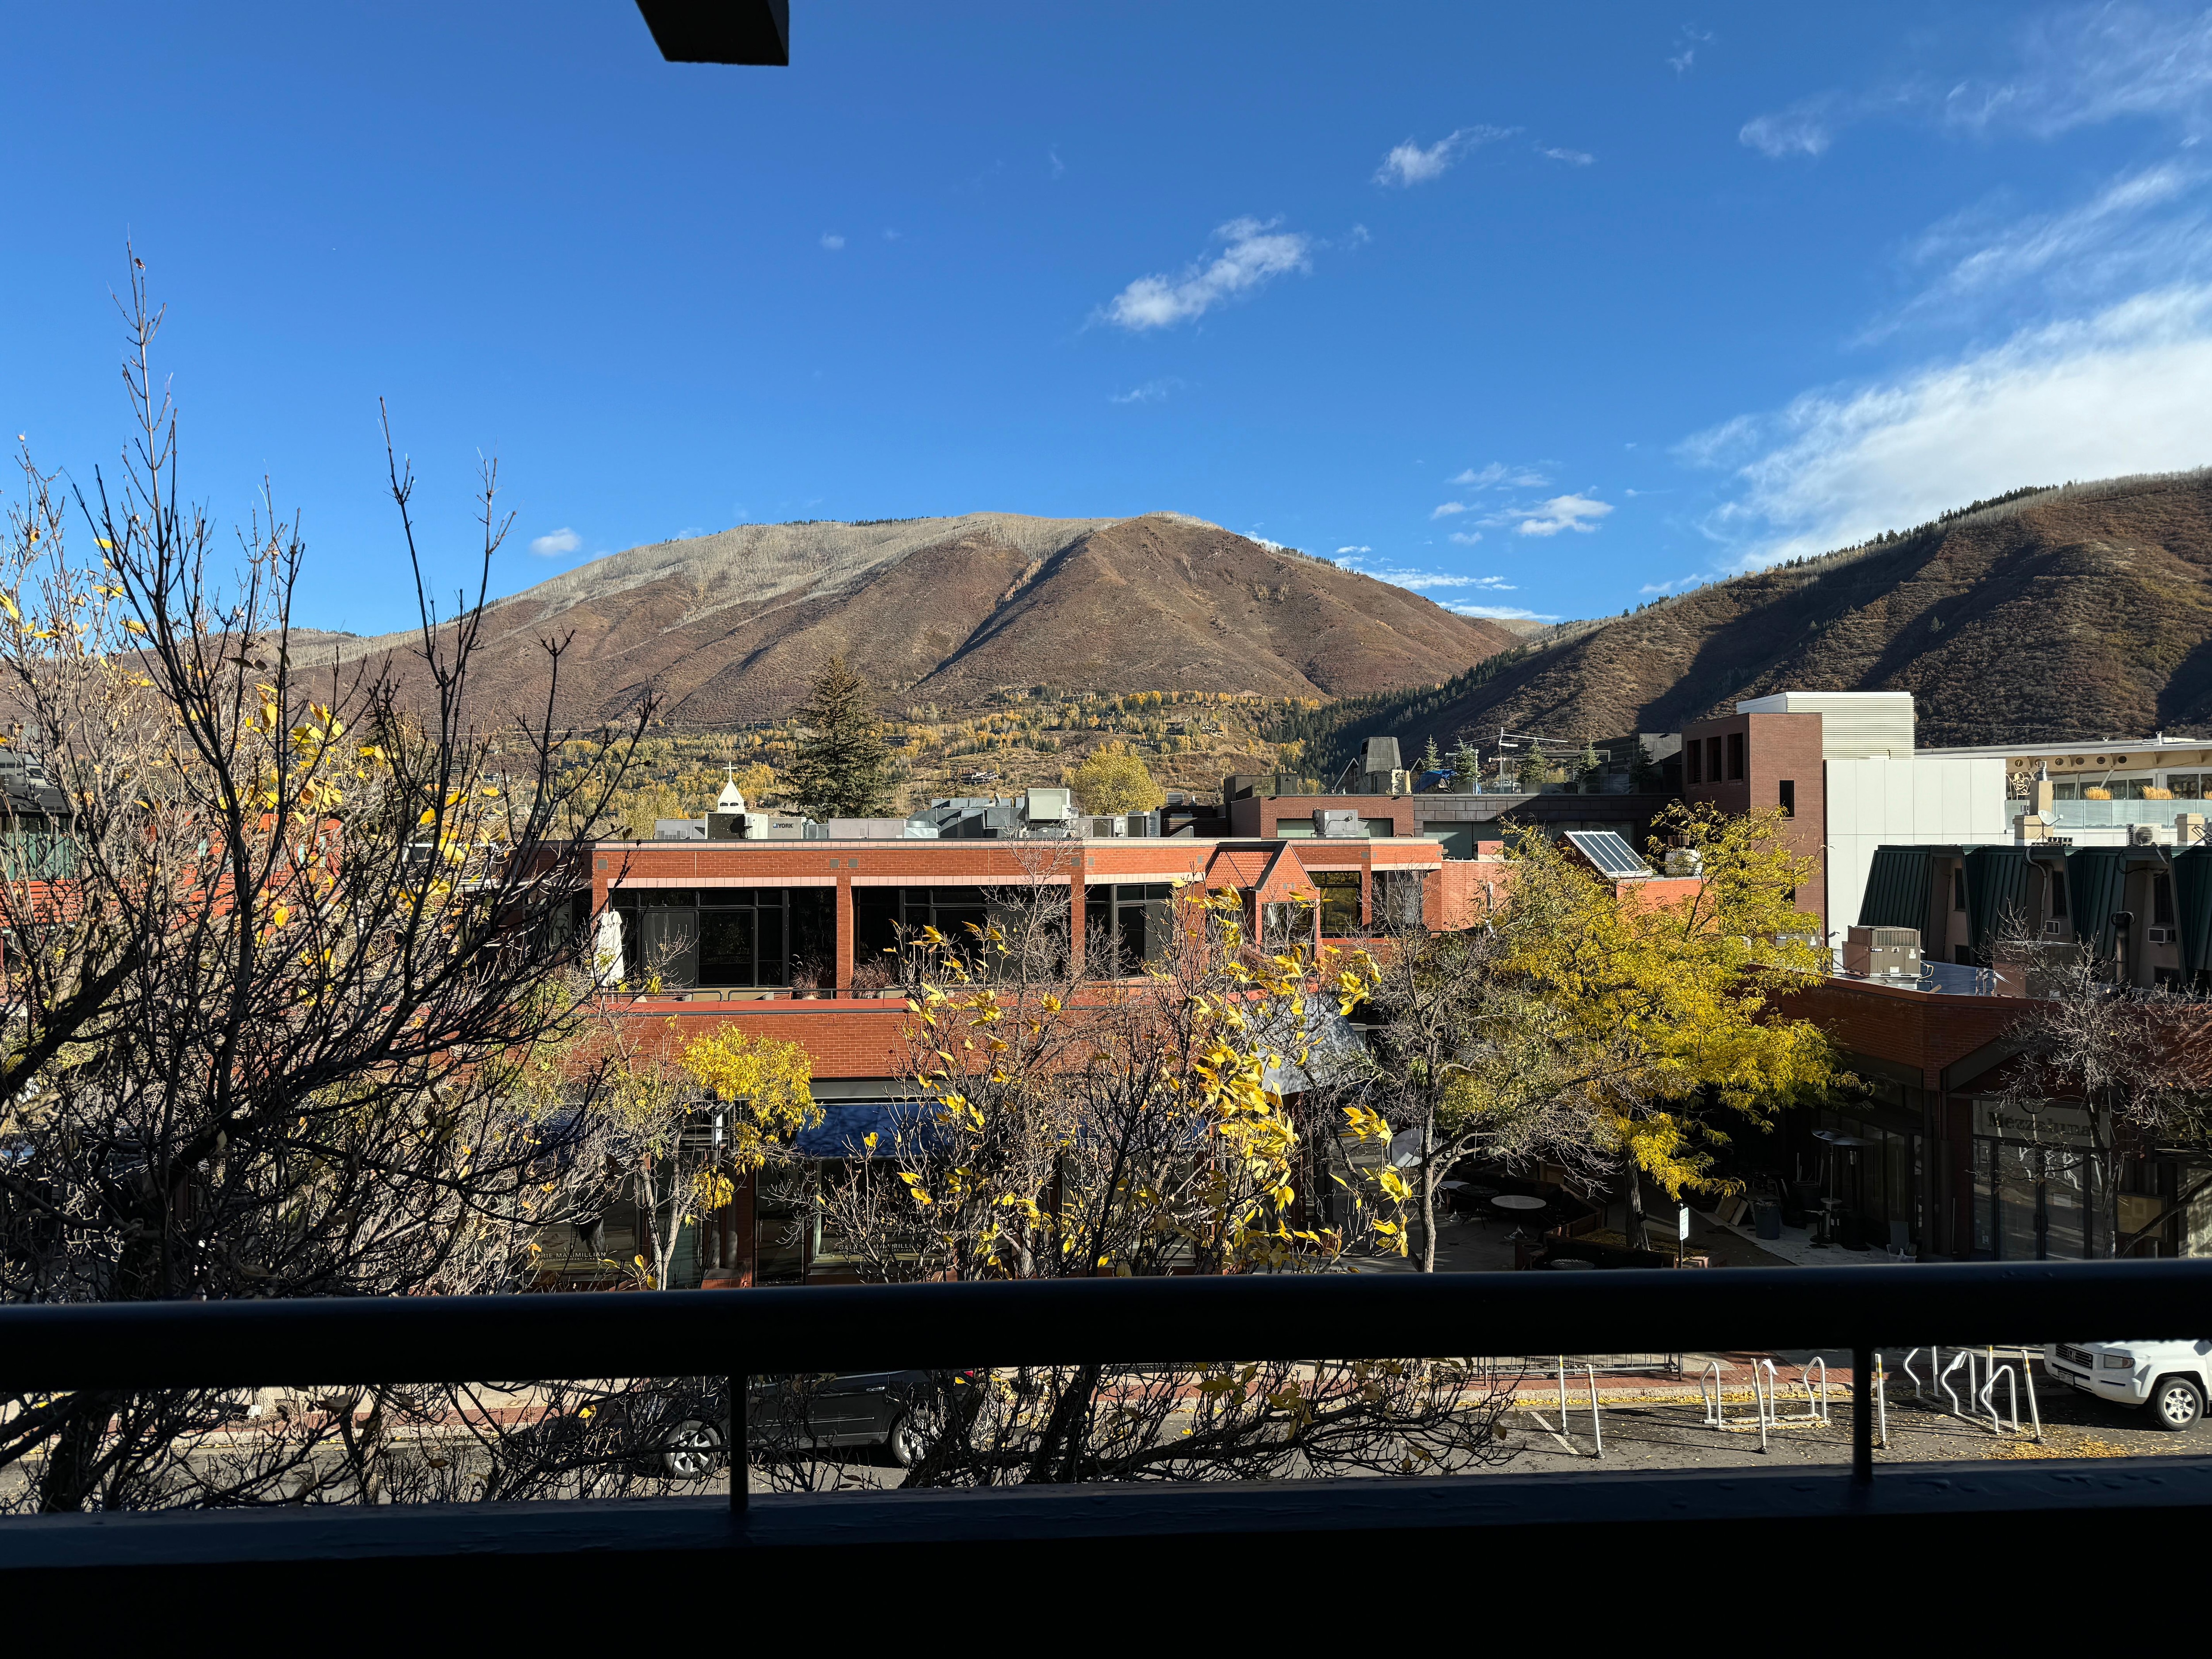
[1151, 391]
[1465, 537]
[1500, 613]
[1687, 39]
[1573, 158]
[2072, 67]
[832, 240]
[1448, 509]
[1577, 512]
[1415, 163]
[1052, 160]
[1418, 579]
[555, 543]
[1515, 476]
[689, 531]
[1806, 128]
[1254, 255]
[2128, 389]
[2144, 227]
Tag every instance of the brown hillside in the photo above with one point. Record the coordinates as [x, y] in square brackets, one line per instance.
[2080, 612]
[731, 627]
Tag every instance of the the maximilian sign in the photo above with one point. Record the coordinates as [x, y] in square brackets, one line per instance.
[2045, 1122]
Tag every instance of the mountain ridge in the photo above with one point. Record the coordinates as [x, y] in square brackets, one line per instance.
[729, 628]
[2080, 611]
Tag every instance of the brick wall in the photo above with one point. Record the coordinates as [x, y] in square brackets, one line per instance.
[1774, 749]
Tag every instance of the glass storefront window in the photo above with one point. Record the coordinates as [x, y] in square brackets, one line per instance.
[2034, 1203]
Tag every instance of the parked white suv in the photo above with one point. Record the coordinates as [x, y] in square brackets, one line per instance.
[2172, 1378]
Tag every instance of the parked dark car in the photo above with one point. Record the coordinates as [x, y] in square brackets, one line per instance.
[900, 1411]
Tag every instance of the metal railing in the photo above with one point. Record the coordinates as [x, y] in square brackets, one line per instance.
[143, 1345]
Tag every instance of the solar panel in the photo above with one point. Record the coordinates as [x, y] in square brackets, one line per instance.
[1609, 851]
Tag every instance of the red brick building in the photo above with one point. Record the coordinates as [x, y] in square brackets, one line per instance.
[1756, 763]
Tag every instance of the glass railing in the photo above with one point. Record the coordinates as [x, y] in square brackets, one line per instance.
[2115, 814]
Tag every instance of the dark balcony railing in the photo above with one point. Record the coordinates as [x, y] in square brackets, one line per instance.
[853, 1328]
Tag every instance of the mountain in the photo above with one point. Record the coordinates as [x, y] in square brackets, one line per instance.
[731, 627]
[2082, 612]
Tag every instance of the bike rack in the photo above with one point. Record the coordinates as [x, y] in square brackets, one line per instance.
[1987, 1398]
[1598, 1428]
[1816, 1410]
[1965, 1356]
[1716, 1415]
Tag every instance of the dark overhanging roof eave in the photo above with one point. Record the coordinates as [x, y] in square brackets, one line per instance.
[755, 32]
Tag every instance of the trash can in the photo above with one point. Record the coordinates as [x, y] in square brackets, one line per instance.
[1767, 1219]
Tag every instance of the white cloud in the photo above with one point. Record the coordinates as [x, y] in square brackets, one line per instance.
[832, 240]
[1412, 163]
[1447, 509]
[1465, 537]
[555, 543]
[2140, 229]
[1579, 512]
[1341, 551]
[1058, 166]
[1255, 255]
[1500, 613]
[1422, 580]
[1497, 472]
[1151, 391]
[2072, 67]
[1804, 129]
[2128, 389]
[1573, 158]
[890, 236]
[689, 531]
[2087, 64]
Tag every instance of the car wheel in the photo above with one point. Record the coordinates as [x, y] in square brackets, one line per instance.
[692, 1452]
[2176, 1403]
[911, 1438]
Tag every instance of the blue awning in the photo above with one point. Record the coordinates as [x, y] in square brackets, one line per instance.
[847, 1124]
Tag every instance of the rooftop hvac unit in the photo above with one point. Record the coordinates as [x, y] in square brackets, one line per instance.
[1048, 805]
[2144, 834]
[1684, 861]
[1882, 952]
[1336, 822]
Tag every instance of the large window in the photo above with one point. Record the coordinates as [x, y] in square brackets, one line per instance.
[1735, 756]
[1338, 892]
[2034, 1203]
[733, 937]
[1400, 896]
[1134, 917]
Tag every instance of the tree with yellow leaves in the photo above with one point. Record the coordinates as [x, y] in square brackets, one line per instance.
[1112, 779]
[1615, 1034]
[684, 1123]
[289, 993]
[1062, 1126]
[1670, 1003]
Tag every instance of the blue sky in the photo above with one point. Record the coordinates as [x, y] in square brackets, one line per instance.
[1539, 311]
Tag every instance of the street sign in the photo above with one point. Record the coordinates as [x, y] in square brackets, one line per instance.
[1682, 1225]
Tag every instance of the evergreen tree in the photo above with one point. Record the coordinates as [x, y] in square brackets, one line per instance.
[1467, 767]
[1432, 761]
[842, 770]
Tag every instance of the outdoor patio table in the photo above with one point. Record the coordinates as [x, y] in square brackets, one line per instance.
[1517, 1201]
